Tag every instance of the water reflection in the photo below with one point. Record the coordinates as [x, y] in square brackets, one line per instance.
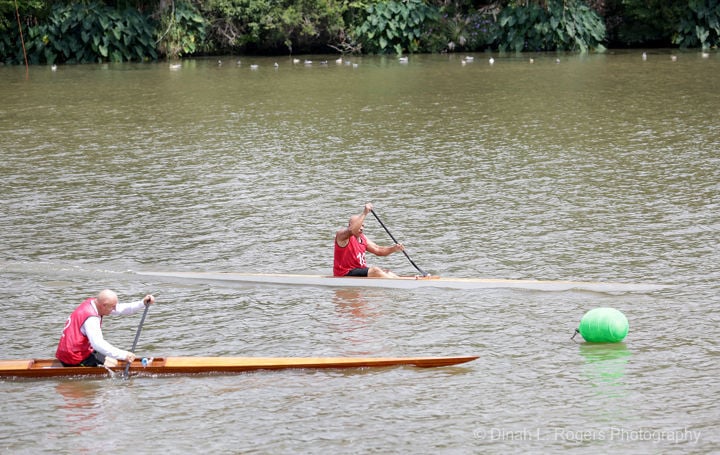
[605, 365]
[352, 303]
[80, 404]
[357, 317]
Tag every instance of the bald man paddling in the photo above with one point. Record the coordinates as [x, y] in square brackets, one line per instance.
[82, 342]
[351, 245]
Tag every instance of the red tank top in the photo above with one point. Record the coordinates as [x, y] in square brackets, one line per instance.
[351, 256]
[74, 347]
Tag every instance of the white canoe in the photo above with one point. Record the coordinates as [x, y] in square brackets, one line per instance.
[406, 282]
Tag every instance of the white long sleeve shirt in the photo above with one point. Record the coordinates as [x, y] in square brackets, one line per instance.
[91, 329]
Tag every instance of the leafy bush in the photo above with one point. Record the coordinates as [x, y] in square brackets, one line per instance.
[313, 24]
[182, 31]
[643, 22]
[396, 25]
[88, 31]
[560, 25]
[8, 19]
[474, 31]
[700, 26]
[79, 33]
[271, 26]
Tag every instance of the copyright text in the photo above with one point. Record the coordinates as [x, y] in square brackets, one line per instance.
[684, 435]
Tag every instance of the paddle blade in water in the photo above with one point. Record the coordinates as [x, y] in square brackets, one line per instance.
[604, 325]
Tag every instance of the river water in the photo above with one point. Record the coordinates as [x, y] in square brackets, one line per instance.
[595, 168]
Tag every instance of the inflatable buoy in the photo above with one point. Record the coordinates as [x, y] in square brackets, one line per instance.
[603, 325]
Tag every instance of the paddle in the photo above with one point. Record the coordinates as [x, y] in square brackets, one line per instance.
[137, 336]
[393, 239]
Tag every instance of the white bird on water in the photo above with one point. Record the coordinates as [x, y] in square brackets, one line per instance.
[254, 67]
[403, 59]
[491, 61]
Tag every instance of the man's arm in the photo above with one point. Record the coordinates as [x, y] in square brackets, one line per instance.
[133, 307]
[343, 235]
[383, 250]
[94, 334]
[128, 307]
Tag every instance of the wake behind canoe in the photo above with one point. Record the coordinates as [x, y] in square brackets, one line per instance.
[408, 282]
[45, 368]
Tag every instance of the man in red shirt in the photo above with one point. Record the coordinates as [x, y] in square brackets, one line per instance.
[82, 342]
[351, 245]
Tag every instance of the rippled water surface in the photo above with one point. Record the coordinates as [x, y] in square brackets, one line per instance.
[596, 168]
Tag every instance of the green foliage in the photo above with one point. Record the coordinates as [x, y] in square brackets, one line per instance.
[78, 33]
[236, 23]
[700, 26]
[8, 19]
[559, 25]
[308, 25]
[88, 31]
[474, 31]
[643, 22]
[292, 25]
[396, 26]
[182, 31]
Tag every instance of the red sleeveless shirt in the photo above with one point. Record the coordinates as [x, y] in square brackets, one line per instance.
[74, 347]
[351, 256]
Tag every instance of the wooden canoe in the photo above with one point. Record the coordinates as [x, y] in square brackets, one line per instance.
[407, 282]
[44, 368]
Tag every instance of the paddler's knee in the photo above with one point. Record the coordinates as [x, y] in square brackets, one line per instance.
[377, 272]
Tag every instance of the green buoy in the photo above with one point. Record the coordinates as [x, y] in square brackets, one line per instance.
[603, 325]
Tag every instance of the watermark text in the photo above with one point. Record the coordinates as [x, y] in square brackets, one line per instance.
[682, 435]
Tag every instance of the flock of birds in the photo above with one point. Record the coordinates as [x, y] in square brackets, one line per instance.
[674, 57]
[295, 61]
[402, 60]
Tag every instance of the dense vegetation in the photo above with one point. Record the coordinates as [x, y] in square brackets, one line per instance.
[140, 30]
